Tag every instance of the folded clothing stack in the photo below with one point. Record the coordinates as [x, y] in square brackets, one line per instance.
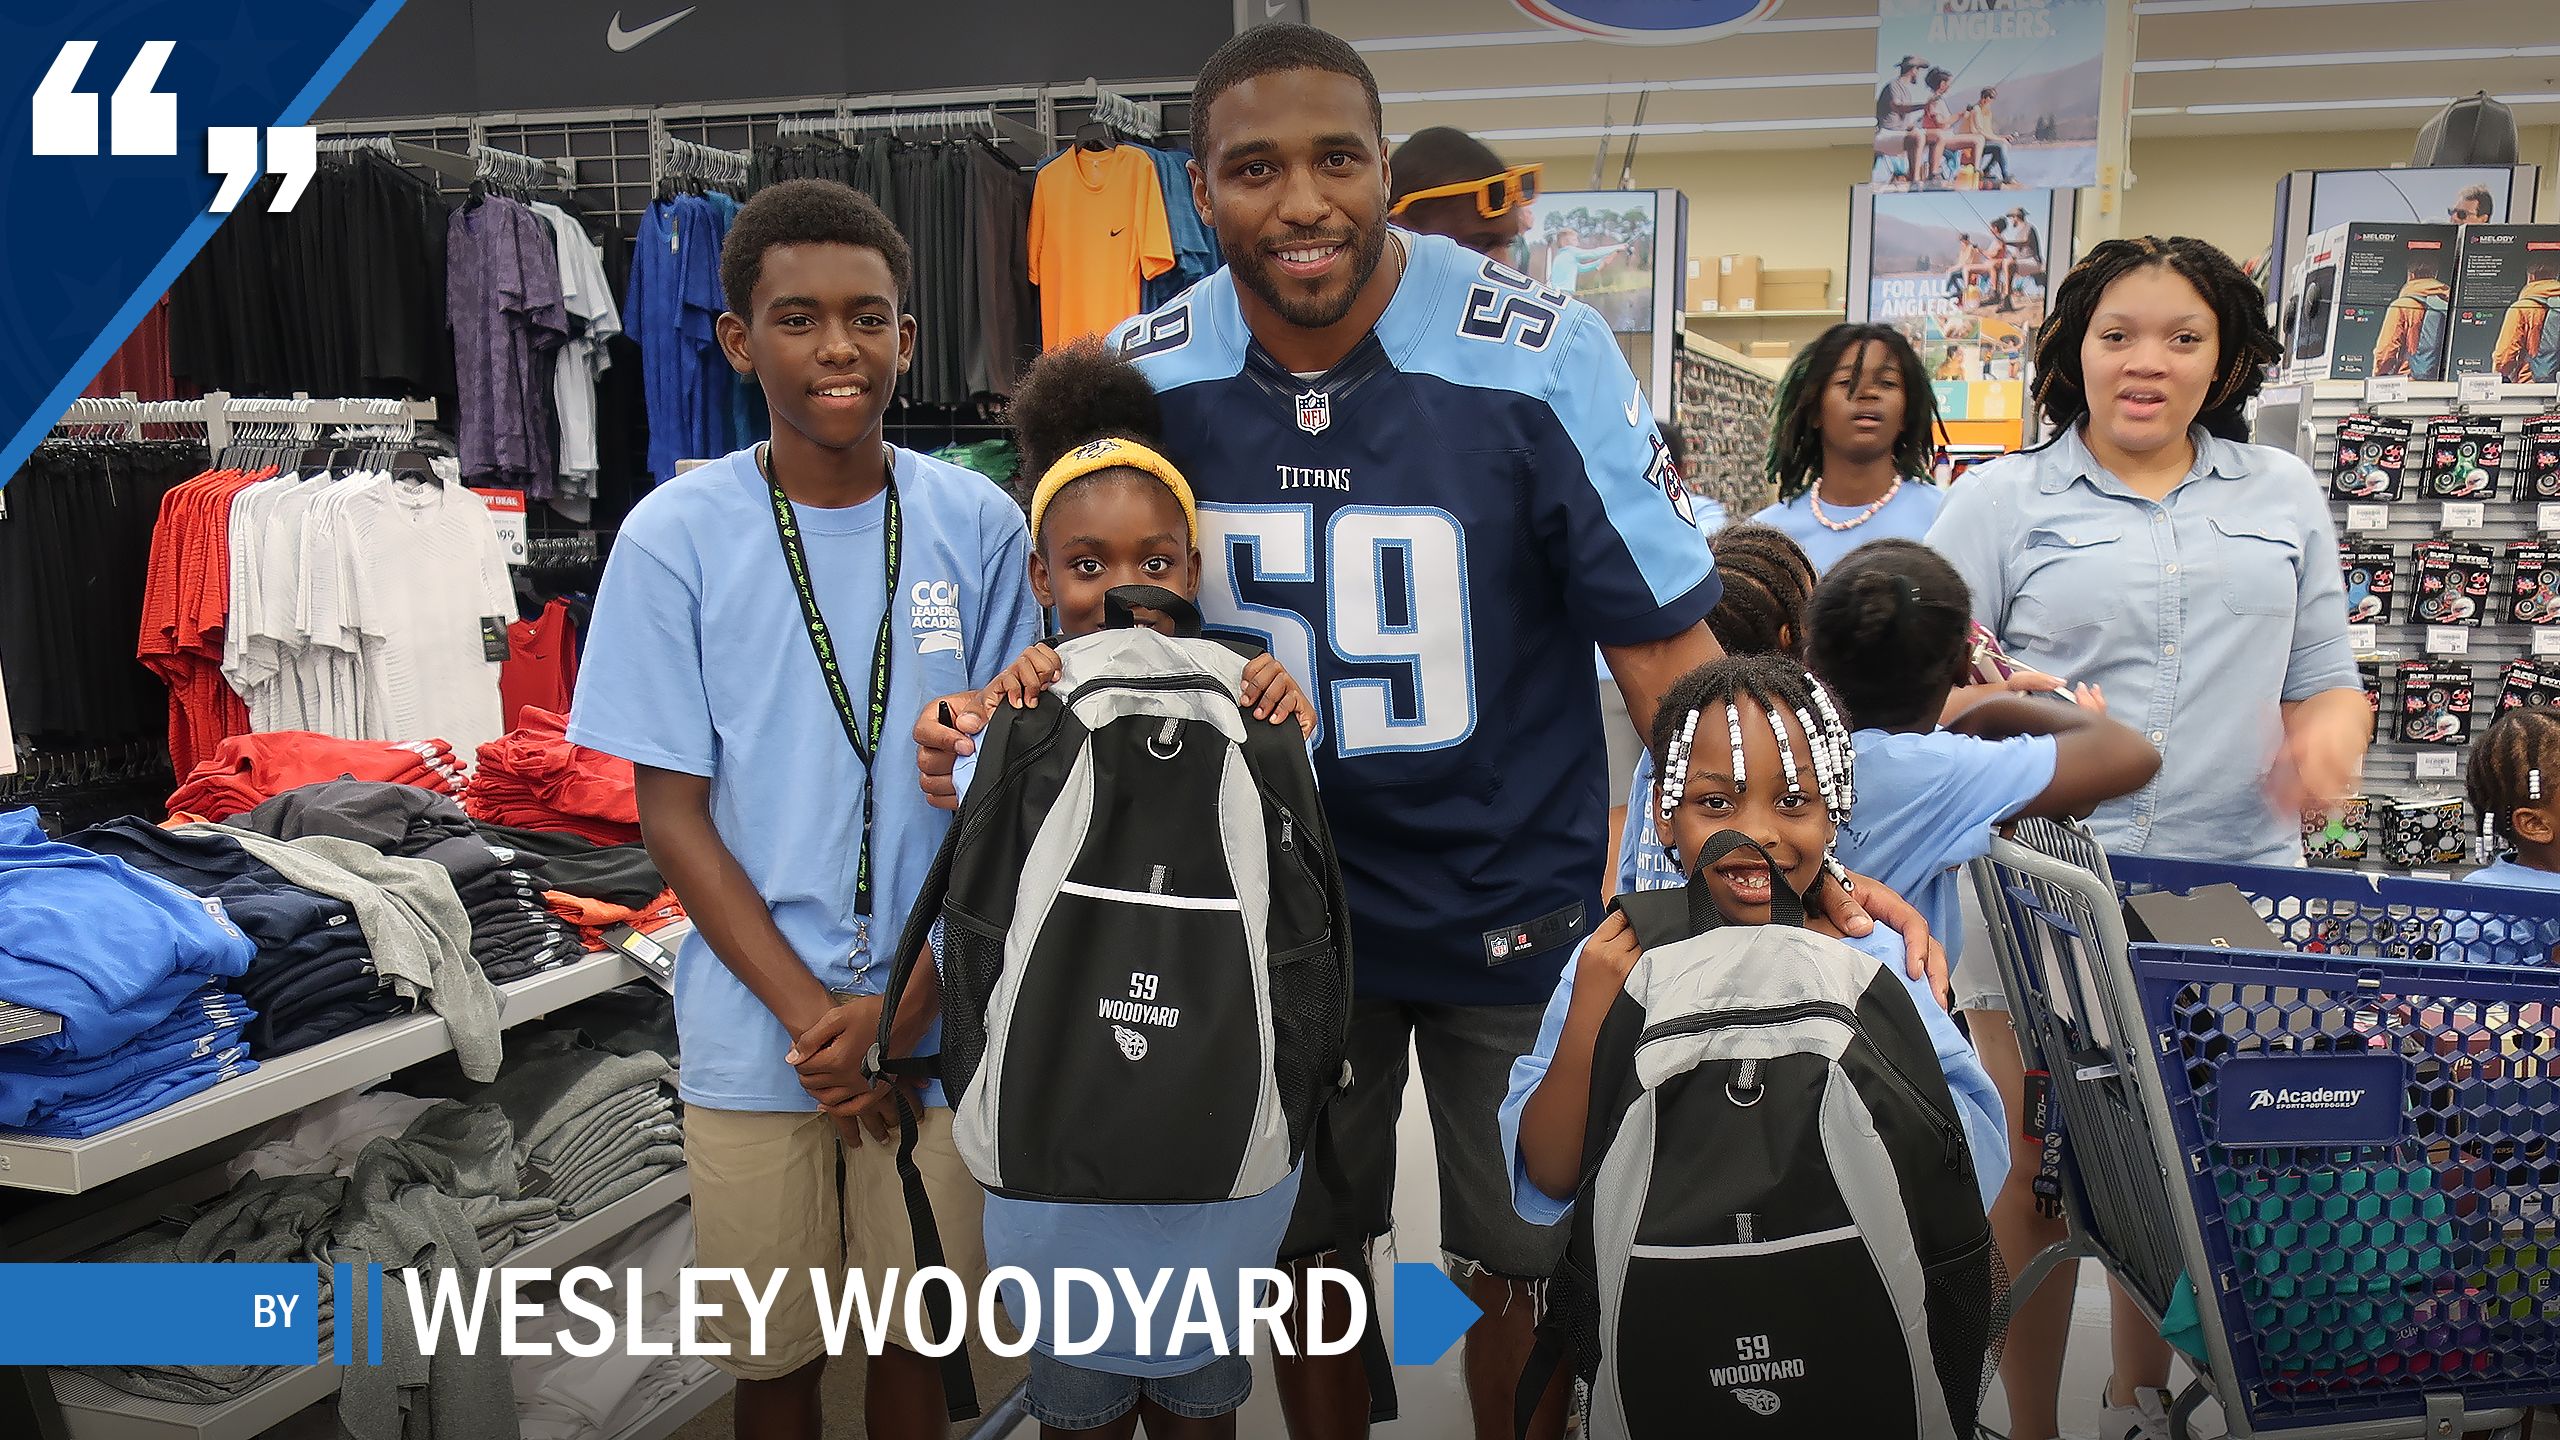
[533, 779]
[248, 770]
[313, 978]
[512, 930]
[561, 1396]
[132, 964]
[591, 1128]
[413, 923]
[576, 865]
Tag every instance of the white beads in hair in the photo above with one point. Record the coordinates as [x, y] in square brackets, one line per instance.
[2533, 783]
[1674, 782]
[1787, 752]
[1733, 733]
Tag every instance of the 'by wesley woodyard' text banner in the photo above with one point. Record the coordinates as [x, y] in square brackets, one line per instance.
[109, 1314]
[1960, 80]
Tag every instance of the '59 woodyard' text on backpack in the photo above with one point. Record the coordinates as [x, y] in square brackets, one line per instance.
[1145, 947]
[1777, 1230]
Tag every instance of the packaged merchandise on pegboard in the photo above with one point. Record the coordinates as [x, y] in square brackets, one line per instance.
[2373, 575]
[2339, 834]
[2463, 458]
[2528, 684]
[2542, 459]
[2435, 703]
[2424, 832]
[2370, 673]
[2452, 583]
[2373, 458]
[2535, 595]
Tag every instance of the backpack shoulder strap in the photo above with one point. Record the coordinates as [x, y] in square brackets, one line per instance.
[1660, 917]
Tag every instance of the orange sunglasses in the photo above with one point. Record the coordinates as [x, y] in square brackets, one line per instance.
[1495, 195]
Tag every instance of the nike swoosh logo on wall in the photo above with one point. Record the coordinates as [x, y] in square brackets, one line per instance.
[619, 39]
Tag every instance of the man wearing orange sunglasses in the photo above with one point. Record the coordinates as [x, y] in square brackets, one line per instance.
[1447, 182]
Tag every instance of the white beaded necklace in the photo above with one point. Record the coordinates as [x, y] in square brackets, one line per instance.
[1862, 517]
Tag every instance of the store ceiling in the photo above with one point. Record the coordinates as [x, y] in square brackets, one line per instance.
[1804, 77]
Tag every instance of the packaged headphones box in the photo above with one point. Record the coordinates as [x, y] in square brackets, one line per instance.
[2528, 683]
[2536, 598]
[2435, 702]
[2463, 458]
[2452, 583]
[2377, 299]
[2373, 455]
[2339, 834]
[2541, 459]
[2504, 298]
[2373, 574]
[2423, 832]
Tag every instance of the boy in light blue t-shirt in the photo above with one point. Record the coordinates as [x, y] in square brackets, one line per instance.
[768, 625]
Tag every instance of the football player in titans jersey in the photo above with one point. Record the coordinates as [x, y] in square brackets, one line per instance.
[1429, 484]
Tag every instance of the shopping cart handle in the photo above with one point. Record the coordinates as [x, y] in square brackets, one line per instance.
[2028, 900]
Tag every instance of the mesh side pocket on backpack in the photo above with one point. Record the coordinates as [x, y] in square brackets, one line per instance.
[972, 962]
[1307, 1017]
[1968, 1300]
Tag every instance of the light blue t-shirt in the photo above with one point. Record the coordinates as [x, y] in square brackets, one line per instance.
[698, 661]
[1219, 1240]
[1927, 804]
[1977, 1103]
[2480, 938]
[2201, 616]
[1907, 516]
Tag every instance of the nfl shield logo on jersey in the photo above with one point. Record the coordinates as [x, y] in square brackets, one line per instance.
[1315, 412]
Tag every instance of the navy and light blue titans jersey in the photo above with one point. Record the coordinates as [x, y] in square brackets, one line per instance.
[1431, 535]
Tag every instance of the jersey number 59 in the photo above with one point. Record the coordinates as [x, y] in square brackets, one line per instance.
[1427, 629]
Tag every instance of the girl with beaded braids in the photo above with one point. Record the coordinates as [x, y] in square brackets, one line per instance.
[2150, 551]
[1748, 743]
[1854, 431]
[2513, 784]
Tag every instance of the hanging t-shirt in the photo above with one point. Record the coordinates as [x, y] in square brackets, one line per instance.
[502, 298]
[428, 579]
[1195, 250]
[589, 301]
[1098, 233]
[541, 669]
[669, 306]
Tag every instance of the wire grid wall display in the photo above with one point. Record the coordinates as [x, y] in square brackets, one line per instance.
[612, 155]
[1721, 408]
[2412, 815]
[2394, 1235]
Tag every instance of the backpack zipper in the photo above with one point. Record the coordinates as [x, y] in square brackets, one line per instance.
[1950, 1132]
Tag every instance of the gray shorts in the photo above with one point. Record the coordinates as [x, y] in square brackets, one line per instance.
[1977, 981]
[1466, 1053]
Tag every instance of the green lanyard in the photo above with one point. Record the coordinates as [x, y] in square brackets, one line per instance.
[866, 739]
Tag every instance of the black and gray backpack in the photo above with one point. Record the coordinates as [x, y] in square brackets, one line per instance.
[1777, 1230]
[1146, 955]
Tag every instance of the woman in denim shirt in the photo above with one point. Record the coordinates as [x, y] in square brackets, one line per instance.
[2194, 579]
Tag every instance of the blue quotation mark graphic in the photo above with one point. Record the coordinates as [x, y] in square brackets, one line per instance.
[142, 120]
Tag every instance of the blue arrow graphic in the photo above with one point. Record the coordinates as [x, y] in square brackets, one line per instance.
[1431, 1313]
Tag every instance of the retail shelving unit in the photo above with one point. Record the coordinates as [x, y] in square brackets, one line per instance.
[1721, 401]
[2304, 418]
[97, 1412]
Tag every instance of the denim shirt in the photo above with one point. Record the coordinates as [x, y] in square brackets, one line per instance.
[2199, 615]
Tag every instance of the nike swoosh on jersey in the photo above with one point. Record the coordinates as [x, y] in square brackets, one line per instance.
[1116, 233]
[1635, 407]
[618, 39]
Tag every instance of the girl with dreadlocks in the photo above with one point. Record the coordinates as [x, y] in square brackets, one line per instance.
[1767, 583]
[1747, 743]
[2193, 577]
[1855, 428]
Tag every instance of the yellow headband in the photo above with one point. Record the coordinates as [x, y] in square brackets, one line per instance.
[1108, 454]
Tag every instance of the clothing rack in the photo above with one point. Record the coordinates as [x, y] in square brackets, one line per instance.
[219, 412]
[526, 172]
[1020, 143]
[1139, 120]
[684, 160]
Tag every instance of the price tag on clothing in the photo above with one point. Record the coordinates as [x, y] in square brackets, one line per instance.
[2448, 640]
[2465, 514]
[2364, 639]
[2438, 765]
[506, 511]
[2479, 389]
[2546, 639]
[2386, 389]
[2368, 517]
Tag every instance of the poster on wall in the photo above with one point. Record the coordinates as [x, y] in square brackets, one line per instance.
[1988, 94]
[1598, 247]
[1966, 275]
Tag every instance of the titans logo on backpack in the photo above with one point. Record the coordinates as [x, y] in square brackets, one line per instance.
[1431, 536]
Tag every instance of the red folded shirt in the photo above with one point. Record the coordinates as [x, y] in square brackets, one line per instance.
[533, 779]
[594, 917]
[247, 771]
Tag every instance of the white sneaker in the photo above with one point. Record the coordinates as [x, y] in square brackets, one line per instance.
[2147, 1418]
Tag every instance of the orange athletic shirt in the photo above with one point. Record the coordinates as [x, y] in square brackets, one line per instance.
[1098, 233]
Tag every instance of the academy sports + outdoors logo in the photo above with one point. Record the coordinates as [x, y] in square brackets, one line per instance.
[2282, 1099]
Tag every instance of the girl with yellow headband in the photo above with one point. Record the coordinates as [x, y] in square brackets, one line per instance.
[1109, 511]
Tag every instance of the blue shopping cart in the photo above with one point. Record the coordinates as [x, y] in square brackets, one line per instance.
[2350, 1146]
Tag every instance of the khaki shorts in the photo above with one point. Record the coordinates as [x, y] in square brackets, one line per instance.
[765, 1198]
